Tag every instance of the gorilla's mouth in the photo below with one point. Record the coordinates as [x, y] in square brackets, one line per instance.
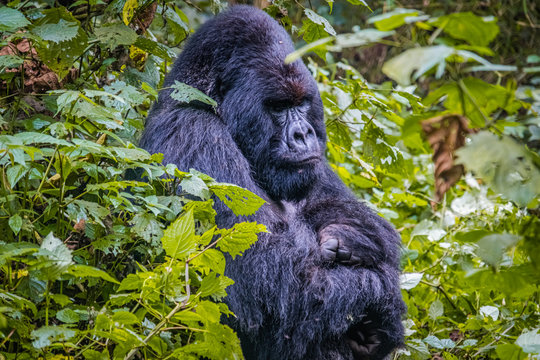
[303, 161]
[308, 160]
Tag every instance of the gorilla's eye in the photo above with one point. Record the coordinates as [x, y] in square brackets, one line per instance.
[278, 105]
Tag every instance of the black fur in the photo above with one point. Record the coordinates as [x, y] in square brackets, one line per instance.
[292, 299]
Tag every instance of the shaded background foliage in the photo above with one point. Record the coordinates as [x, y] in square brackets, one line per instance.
[432, 116]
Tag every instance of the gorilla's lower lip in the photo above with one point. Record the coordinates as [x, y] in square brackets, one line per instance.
[306, 161]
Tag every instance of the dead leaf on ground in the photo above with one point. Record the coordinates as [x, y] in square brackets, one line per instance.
[38, 78]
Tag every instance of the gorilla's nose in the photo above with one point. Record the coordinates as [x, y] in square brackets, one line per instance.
[302, 137]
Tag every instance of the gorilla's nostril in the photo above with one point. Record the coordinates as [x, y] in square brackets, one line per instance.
[298, 136]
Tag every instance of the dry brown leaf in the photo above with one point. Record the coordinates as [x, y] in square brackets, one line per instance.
[38, 78]
[445, 134]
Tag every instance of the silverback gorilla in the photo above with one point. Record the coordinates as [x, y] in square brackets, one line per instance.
[323, 284]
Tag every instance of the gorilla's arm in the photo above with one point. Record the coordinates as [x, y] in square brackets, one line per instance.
[345, 225]
[197, 138]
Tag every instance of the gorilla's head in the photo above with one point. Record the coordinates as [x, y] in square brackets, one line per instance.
[272, 110]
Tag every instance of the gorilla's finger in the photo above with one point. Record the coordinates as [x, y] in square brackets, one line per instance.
[329, 249]
[343, 254]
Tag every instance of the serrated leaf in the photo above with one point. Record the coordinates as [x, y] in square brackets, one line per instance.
[214, 286]
[239, 238]
[15, 173]
[57, 32]
[67, 316]
[319, 20]
[60, 56]
[11, 19]
[114, 35]
[530, 341]
[186, 94]
[210, 260]
[29, 137]
[436, 309]
[193, 185]
[125, 318]
[179, 238]
[46, 335]
[506, 166]
[15, 223]
[490, 311]
[239, 200]
[83, 271]
[55, 258]
[10, 61]
[409, 281]
[440, 344]
[492, 247]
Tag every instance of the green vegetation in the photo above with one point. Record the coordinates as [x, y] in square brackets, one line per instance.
[432, 116]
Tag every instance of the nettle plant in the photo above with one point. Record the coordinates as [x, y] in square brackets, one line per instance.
[72, 224]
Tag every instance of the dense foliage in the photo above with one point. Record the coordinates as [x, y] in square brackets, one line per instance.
[432, 116]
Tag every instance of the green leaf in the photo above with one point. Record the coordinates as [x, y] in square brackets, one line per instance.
[57, 32]
[46, 335]
[489, 311]
[319, 20]
[436, 309]
[61, 55]
[409, 281]
[125, 318]
[492, 247]
[439, 344]
[417, 60]
[179, 238]
[84, 271]
[239, 200]
[504, 164]
[10, 61]
[67, 316]
[214, 286]
[15, 223]
[11, 19]
[210, 260]
[15, 173]
[29, 137]
[510, 352]
[393, 19]
[95, 355]
[55, 258]
[195, 186]
[475, 99]
[360, 38]
[529, 341]
[186, 94]
[113, 35]
[239, 238]
[469, 27]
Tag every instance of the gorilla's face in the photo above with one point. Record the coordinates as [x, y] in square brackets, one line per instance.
[279, 128]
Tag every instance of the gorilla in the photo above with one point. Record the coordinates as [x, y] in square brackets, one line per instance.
[324, 282]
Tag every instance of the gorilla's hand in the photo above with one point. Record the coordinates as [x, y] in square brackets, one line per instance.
[364, 340]
[348, 246]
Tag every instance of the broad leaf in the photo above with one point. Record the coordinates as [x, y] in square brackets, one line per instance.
[179, 238]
